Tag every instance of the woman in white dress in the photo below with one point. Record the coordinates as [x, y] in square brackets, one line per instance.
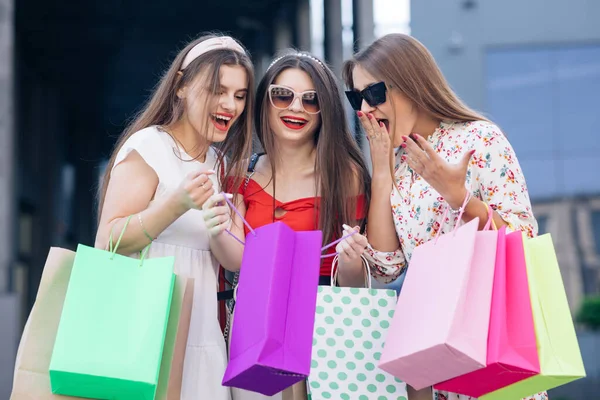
[448, 155]
[164, 168]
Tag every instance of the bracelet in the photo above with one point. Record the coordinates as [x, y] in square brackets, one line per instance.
[464, 205]
[144, 229]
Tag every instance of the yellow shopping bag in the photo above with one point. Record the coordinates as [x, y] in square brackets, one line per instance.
[558, 349]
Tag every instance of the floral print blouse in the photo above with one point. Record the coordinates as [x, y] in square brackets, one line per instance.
[494, 176]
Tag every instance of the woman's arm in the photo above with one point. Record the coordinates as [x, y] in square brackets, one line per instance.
[130, 189]
[501, 181]
[501, 185]
[381, 231]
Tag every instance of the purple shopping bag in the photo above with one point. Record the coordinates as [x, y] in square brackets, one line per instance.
[271, 336]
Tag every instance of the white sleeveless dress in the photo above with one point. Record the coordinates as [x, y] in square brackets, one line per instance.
[187, 239]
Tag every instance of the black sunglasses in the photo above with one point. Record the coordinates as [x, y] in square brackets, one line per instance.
[373, 94]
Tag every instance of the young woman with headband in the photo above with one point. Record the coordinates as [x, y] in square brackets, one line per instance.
[165, 166]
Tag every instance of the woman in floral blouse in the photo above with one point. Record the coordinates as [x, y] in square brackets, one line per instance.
[447, 155]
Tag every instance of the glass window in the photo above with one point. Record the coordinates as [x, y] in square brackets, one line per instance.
[539, 96]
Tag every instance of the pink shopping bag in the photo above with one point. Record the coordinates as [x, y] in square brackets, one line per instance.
[441, 322]
[512, 351]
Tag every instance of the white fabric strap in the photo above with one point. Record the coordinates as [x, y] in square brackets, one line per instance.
[216, 43]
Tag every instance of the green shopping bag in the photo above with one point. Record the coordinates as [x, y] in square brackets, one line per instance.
[558, 349]
[113, 324]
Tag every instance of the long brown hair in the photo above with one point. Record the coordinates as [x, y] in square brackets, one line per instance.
[338, 158]
[165, 108]
[403, 63]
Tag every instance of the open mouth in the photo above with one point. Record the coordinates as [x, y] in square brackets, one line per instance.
[221, 121]
[294, 122]
[386, 123]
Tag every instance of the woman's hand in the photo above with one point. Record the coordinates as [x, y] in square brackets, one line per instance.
[217, 215]
[379, 143]
[351, 271]
[195, 189]
[351, 248]
[447, 179]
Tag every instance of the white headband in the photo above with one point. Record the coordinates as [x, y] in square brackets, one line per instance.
[221, 42]
[297, 55]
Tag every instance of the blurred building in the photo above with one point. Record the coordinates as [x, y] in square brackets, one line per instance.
[534, 68]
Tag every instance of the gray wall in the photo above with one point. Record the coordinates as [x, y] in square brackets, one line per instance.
[441, 25]
[534, 68]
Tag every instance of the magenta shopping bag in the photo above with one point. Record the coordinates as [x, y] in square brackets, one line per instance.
[271, 336]
[440, 326]
[512, 350]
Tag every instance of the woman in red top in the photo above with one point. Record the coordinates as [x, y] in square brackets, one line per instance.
[311, 175]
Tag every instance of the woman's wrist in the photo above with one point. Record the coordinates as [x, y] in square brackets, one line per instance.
[457, 198]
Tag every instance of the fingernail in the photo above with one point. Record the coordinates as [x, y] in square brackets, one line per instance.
[360, 114]
[381, 124]
[370, 116]
[211, 171]
[405, 138]
[414, 137]
[346, 226]
[229, 195]
[403, 158]
[472, 151]
[403, 145]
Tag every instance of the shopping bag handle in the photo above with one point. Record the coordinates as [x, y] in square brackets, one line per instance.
[490, 222]
[234, 208]
[113, 250]
[335, 266]
[461, 211]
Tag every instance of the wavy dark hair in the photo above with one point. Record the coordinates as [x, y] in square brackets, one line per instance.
[339, 161]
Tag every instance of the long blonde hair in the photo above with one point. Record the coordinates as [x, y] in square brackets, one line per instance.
[165, 108]
[403, 63]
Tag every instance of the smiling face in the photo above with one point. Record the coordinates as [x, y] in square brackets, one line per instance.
[398, 113]
[221, 108]
[299, 120]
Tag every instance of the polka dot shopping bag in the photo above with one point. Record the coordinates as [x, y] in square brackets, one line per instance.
[350, 327]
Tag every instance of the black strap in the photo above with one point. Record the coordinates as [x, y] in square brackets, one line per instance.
[225, 295]
[253, 161]
[324, 280]
[228, 294]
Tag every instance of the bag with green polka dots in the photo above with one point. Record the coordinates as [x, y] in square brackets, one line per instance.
[350, 329]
